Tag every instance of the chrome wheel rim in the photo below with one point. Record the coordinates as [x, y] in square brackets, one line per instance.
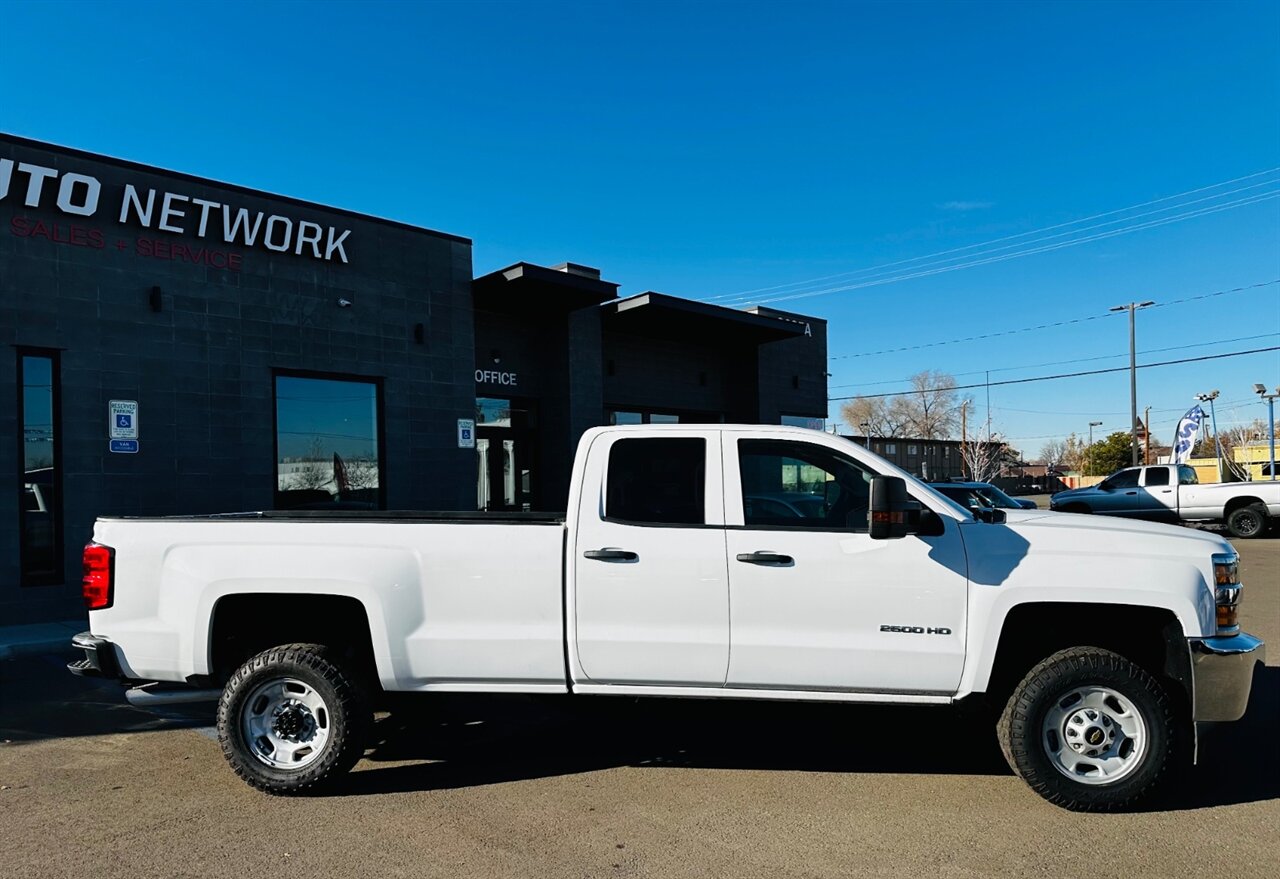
[285, 723]
[1094, 735]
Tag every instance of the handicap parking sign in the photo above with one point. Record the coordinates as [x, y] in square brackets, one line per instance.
[122, 419]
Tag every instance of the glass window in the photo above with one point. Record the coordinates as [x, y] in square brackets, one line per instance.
[819, 424]
[890, 448]
[327, 444]
[912, 450]
[815, 487]
[660, 418]
[1187, 475]
[39, 504]
[1158, 476]
[492, 412]
[1123, 479]
[626, 418]
[657, 481]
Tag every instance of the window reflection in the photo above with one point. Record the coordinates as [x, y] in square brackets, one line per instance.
[40, 549]
[327, 444]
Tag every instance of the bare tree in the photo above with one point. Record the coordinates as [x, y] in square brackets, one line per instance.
[931, 405]
[982, 458]
[876, 416]
[1054, 452]
[929, 410]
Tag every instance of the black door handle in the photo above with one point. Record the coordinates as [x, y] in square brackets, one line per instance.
[1130, 492]
[611, 554]
[765, 558]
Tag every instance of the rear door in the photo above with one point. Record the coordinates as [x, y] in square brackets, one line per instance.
[1161, 493]
[651, 592]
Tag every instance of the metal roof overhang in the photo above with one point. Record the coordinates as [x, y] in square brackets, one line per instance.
[669, 317]
[525, 288]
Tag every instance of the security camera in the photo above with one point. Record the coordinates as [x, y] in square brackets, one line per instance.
[344, 303]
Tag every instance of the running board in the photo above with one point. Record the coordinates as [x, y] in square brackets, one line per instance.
[144, 697]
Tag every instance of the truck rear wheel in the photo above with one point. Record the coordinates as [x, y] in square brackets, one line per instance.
[1248, 521]
[1090, 731]
[291, 720]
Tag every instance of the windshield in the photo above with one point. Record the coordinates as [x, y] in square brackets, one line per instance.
[997, 498]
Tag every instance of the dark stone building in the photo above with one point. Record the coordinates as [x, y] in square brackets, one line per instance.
[179, 345]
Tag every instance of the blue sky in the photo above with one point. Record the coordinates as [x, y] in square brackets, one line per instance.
[709, 149]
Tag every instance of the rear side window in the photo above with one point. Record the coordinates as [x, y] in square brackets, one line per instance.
[657, 481]
[1187, 475]
[1158, 476]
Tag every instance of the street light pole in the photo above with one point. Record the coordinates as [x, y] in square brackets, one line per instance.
[1261, 391]
[1089, 451]
[1213, 422]
[1132, 308]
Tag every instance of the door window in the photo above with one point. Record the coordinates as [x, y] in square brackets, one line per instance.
[1123, 479]
[1158, 476]
[796, 485]
[1187, 475]
[657, 481]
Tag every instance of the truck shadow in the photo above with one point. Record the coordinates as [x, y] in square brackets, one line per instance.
[451, 743]
[458, 743]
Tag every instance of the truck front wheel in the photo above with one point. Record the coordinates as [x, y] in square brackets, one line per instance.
[291, 720]
[1090, 731]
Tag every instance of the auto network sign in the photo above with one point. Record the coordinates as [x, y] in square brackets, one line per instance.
[81, 196]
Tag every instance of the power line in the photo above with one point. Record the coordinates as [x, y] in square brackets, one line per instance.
[898, 381]
[1042, 378]
[1060, 323]
[1176, 218]
[999, 240]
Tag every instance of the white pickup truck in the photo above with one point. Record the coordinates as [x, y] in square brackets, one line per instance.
[1101, 646]
[1172, 493]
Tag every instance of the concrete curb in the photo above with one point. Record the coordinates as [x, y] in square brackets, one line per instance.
[38, 638]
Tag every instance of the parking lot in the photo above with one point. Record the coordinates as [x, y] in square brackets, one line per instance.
[92, 787]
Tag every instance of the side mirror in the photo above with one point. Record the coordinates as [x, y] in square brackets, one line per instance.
[890, 503]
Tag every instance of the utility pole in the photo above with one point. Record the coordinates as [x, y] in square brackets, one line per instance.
[1146, 435]
[1261, 391]
[1132, 308]
[964, 433]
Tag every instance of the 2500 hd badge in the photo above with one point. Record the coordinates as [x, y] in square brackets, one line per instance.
[917, 630]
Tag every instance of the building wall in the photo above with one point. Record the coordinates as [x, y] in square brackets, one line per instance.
[201, 368]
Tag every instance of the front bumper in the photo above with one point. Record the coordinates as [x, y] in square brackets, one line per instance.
[99, 657]
[1222, 674]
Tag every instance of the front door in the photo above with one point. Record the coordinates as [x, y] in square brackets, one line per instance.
[815, 603]
[505, 468]
[651, 597]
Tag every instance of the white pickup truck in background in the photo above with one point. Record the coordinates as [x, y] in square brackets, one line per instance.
[1172, 493]
[1100, 644]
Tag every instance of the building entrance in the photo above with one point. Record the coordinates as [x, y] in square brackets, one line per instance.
[505, 464]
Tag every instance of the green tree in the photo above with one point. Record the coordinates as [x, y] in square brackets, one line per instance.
[1106, 456]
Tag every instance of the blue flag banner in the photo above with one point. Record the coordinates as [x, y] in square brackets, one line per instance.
[1185, 436]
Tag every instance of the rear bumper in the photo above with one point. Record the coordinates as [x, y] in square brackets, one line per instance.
[99, 657]
[1222, 674]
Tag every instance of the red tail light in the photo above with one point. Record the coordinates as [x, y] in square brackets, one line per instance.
[98, 583]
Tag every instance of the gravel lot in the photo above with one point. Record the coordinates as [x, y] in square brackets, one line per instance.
[91, 787]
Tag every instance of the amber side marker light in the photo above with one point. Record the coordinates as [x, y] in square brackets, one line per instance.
[98, 583]
[1226, 583]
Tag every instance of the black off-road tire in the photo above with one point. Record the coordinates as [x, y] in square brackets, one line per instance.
[1020, 730]
[349, 718]
[1248, 522]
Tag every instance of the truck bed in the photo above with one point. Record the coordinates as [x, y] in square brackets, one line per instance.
[401, 516]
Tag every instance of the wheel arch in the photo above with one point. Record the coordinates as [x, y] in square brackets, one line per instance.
[1239, 503]
[1152, 637]
[242, 624]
